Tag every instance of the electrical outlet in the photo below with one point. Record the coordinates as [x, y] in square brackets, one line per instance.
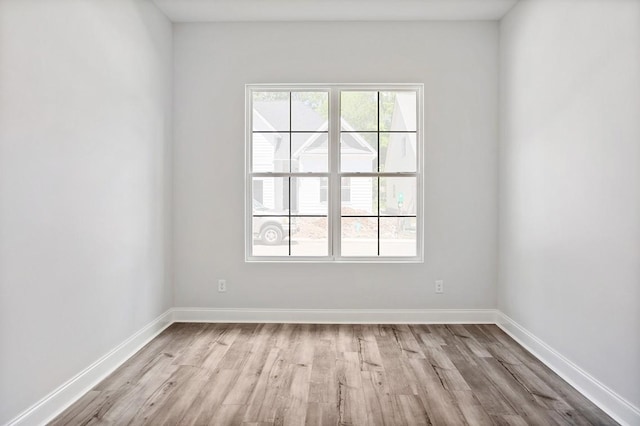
[439, 286]
[222, 286]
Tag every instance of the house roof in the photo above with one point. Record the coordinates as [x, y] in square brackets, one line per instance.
[303, 117]
[306, 119]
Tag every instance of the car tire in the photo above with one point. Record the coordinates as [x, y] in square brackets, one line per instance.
[271, 235]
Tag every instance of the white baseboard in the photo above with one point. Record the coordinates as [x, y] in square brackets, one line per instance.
[57, 401]
[337, 316]
[610, 402]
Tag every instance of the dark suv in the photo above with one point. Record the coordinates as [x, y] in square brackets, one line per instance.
[272, 228]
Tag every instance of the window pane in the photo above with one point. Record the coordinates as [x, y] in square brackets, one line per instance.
[359, 236]
[309, 111]
[345, 190]
[359, 152]
[307, 195]
[398, 236]
[270, 152]
[359, 111]
[270, 236]
[270, 196]
[397, 196]
[398, 111]
[398, 152]
[292, 172]
[363, 199]
[271, 111]
[309, 236]
[324, 190]
[310, 152]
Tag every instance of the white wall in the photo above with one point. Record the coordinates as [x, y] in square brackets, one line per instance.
[84, 165]
[570, 182]
[457, 62]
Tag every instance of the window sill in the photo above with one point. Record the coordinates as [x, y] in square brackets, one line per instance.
[335, 260]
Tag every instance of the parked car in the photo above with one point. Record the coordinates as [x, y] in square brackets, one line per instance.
[274, 226]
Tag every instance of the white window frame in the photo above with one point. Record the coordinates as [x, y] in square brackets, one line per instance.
[334, 175]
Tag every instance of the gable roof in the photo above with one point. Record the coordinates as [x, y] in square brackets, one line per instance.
[309, 120]
[304, 118]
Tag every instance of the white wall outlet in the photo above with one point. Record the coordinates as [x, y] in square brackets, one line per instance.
[222, 286]
[439, 286]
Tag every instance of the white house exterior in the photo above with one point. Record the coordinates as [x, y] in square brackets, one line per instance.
[309, 154]
[401, 156]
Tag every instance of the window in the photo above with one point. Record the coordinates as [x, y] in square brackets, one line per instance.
[345, 194]
[334, 173]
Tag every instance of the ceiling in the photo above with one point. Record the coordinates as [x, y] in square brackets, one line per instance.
[333, 10]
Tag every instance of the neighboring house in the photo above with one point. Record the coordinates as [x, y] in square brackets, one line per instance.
[309, 154]
[401, 156]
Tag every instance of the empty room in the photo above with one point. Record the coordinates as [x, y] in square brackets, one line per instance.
[320, 212]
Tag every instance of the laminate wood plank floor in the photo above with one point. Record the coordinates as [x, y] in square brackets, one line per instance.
[305, 374]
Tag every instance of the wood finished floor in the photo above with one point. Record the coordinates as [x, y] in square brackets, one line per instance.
[273, 374]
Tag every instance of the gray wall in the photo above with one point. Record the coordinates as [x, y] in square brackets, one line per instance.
[84, 166]
[457, 62]
[570, 182]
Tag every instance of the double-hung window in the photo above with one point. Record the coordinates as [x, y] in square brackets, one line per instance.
[334, 173]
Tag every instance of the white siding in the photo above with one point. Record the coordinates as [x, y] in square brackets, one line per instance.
[309, 197]
[361, 194]
[263, 153]
[358, 163]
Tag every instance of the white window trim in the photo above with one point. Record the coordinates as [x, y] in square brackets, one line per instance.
[334, 175]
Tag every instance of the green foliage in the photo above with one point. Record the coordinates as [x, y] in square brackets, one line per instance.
[360, 109]
[317, 101]
[270, 96]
